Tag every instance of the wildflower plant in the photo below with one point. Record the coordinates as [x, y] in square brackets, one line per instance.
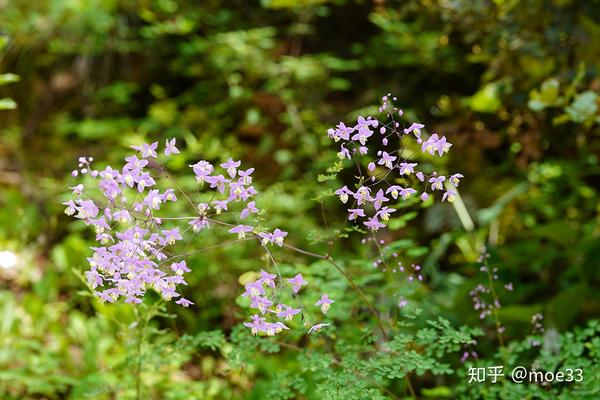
[382, 143]
[144, 238]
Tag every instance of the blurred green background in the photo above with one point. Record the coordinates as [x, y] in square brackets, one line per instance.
[514, 85]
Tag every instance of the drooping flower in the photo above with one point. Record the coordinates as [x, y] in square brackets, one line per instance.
[325, 302]
[147, 150]
[437, 182]
[343, 194]
[170, 147]
[317, 327]
[231, 166]
[241, 230]
[297, 282]
[455, 179]
[407, 168]
[287, 312]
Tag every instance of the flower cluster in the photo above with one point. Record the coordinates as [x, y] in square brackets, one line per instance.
[136, 233]
[272, 315]
[390, 175]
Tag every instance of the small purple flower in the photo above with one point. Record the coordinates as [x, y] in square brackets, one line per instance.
[393, 191]
[180, 267]
[355, 213]
[287, 312]
[384, 213]
[387, 160]
[424, 196]
[231, 167]
[254, 289]
[246, 176]
[317, 328]
[363, 134]
[278, 236]
[184, 302]
[250, 208]
[455, 179]
[220, 205]
[170, 147]
[147, 150]
[379, 199]
[407, 192]
[343, 194]
[241, 230]
[437, 182]
[171, 235]
[77, 189]
[267, 279]
[202, 169]
[407, 168]
[261, 303]
[414, 127]
[325, 302]
[449, 195]
[297, 282]
[373, 224]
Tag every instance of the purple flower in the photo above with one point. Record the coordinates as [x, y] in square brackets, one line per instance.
[449, 195]
[286, 312]
[147, 150]
[379, 199]
[278, 236]
[393, 191]
[317, 328]
[184, 302]
[77, 189]
[71, 207]
[373, 224]
[254, 289]
[220, 205]
[297, 282]
[198, 224]
[424, 196]
[355, 213]
[241, 230]
[202, 169]
[231, 167]
[344, 153]
[416, 127]
[437, 182]
[384, 213]
[267, 279]
[455, 179]
[250, 208]
[169, 195]
[407, 168]
[171, 235]
[180, 267]
[170, 147]
[387, 160]
[407, 192]
[245, 176]
[343, 194]
[86, 210]
[261, 303]
[362, 195]
[325, 302]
